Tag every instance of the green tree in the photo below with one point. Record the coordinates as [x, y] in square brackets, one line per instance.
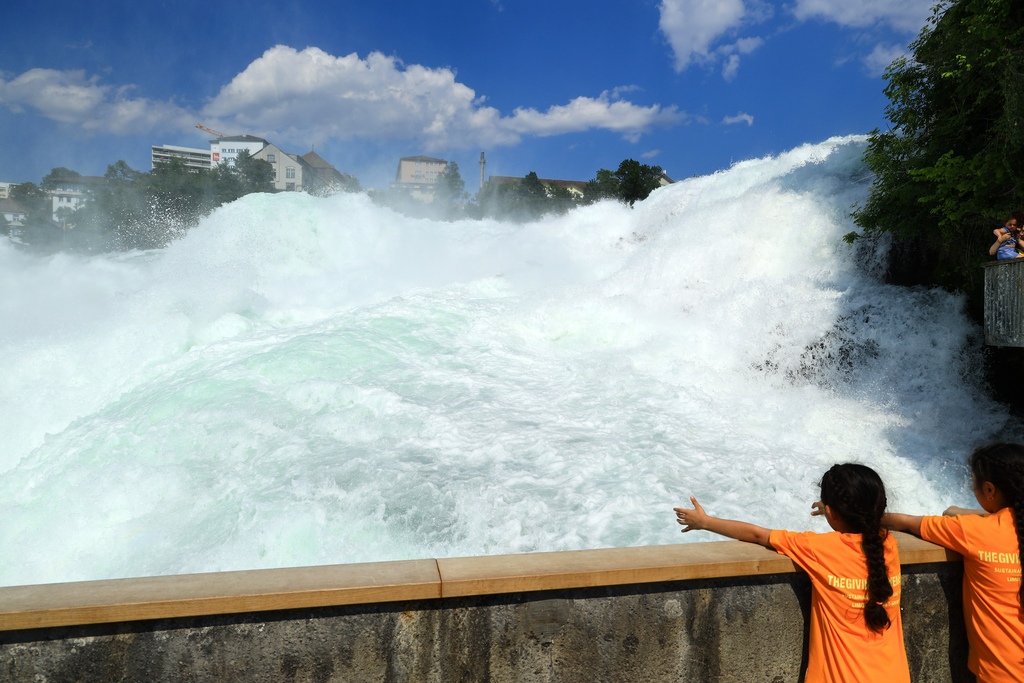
[529, 198]
[449, 193]
[636, 181]
[604, 186]
[561, 199]
[449, 186]
[38, 229]
[117, 216]
[522, 200]
[952, 164]
[56, 174]
[180, 195]
[256, 175]
[531, 189]
[495, 199]
[31, 197]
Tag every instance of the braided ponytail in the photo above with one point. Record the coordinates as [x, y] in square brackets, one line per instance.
[1002, 464]
[856, 495]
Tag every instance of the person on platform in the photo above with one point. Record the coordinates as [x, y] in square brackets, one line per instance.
[1009, 242]
[856, 633]
[990, 540]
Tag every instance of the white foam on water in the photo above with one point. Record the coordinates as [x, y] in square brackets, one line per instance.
[308, 381]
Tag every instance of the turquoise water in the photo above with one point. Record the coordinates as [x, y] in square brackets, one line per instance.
[308, 381]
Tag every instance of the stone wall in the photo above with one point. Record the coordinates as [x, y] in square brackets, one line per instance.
[748, 628]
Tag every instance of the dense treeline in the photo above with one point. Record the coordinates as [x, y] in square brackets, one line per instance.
[529, 198]
[132, 209]
[952, 166]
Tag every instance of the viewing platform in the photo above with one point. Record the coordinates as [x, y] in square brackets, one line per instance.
[1004, 302]
[707, 612]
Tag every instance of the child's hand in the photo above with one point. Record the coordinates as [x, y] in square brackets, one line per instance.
[817, 509]
[692, 520]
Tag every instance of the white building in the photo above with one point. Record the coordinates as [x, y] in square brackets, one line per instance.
[194, 158]
[292, 173]
[288, 168]
[70, 193]
[5, 190]
[227, 148]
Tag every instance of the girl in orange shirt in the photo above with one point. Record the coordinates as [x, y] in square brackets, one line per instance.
[990, 541]
[856, 633]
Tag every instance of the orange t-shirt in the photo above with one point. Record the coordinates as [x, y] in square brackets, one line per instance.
[991, 581]
[842, 648]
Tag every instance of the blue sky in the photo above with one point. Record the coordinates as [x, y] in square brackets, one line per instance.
[560, 88]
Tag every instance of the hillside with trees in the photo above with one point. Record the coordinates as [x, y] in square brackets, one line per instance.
[951, 167]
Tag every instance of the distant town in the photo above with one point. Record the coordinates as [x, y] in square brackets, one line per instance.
[131, 209]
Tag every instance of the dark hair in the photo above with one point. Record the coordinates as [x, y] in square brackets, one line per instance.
[856, 495]
[1002, 464]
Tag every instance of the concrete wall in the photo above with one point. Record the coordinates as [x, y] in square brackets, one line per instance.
[599, 616]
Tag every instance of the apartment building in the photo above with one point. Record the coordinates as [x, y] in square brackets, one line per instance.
[195, 159]
[417, 175]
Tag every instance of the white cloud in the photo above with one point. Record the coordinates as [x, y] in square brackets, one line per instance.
[71, 97]
[903, 15]
[586, 113]
[310, 96]
[739, 118]
[730, 67]
[882, 56]
[692, 26]
[699, 31]
[320, 96]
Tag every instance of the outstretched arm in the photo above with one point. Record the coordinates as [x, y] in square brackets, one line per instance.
[696, 519]
[896, 521]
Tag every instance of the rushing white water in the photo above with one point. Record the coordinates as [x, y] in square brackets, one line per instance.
[307, 381]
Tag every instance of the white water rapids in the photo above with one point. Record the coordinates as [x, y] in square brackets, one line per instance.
[310, 381]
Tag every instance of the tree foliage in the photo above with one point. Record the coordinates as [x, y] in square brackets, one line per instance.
[254, 175]
[59, 173]
[137, 210]
[449, 186]
[38, 230]
[952, 165]
[637, 181]
[631, 183]
[524, 200]
[603, 186]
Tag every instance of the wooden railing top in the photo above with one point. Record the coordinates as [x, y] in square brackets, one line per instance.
[188, 595]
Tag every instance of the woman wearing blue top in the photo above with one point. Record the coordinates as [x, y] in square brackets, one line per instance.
[1009, 243]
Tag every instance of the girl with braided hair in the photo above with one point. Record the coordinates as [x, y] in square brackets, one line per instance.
[990, 541]
[856, 633]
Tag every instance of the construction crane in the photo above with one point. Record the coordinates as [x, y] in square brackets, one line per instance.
[210, 130]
